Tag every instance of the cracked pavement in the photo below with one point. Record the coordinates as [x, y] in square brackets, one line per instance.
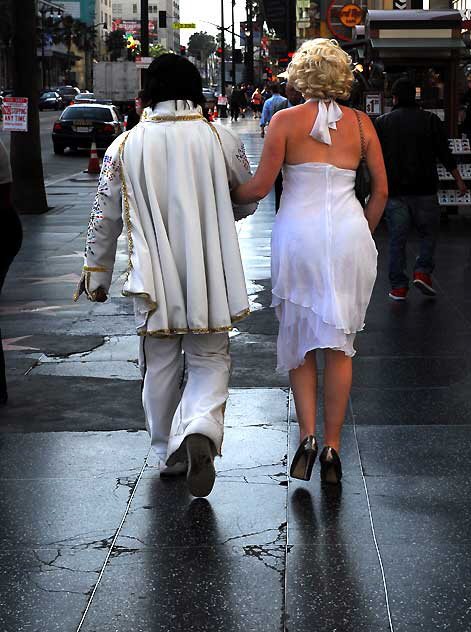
[92, 539]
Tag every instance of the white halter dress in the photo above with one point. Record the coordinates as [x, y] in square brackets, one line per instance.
[323, 256]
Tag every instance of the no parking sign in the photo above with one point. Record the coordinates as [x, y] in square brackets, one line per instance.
[15, 114]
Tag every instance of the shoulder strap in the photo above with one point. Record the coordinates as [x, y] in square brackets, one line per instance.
[362, 136]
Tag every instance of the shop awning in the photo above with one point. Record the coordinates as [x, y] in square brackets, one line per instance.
[418, 43]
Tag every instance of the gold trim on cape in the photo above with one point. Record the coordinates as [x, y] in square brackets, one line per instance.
[170, 118]
[95, 269]
[191, 330]
[127, 211]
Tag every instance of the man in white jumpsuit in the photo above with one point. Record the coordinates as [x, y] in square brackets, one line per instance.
[168, 181]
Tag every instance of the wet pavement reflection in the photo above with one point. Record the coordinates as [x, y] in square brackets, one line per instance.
[94, 540]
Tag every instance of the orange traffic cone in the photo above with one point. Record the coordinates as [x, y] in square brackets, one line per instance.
[215, 113]
[93, 163]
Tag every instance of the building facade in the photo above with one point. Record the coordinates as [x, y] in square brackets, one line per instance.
[126, 14]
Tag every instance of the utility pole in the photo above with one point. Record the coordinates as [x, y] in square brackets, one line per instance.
[233, 46]
[145, 28]
[29, 194]
[223, 53]
[249, 40]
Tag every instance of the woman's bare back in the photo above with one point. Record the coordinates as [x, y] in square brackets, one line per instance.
[345, 150]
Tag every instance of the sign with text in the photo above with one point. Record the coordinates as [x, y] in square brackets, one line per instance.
[180, 25]
[132, 26]
[15, 114]
[351, 15]
[373, 103]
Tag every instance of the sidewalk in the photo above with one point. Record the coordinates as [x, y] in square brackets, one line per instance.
[92, 539]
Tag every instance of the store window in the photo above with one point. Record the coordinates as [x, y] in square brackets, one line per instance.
[134, 8]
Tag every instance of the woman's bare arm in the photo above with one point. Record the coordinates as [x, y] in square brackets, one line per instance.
[270, 164]
[379, 182]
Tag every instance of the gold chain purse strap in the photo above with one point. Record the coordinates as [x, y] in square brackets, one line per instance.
[362, 135]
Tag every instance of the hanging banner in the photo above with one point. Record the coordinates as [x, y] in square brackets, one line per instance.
[15, 114]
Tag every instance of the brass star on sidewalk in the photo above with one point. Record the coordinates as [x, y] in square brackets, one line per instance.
[9, 344]
[63, 278]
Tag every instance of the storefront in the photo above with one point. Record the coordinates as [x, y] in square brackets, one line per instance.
[425, 46]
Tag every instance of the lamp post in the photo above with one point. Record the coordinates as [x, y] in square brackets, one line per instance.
[89, 49]
[46, 7]
[249, 40]
[145, 28]
[233, 46]
[223, 53]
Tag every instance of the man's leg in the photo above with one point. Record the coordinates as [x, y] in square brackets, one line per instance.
[398, 221]
[201, 409]
[161, 363]
[426, 215]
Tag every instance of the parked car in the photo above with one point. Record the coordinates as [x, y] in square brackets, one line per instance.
[211, 98]
[67, 93]
[50, 101]
[85, 97]
[79, 125]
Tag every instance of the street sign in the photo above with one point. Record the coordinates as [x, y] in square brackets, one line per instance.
[15, 114]
[180, 25]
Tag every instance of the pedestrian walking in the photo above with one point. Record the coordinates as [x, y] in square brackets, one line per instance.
[256, 101]
[10, 244]
[135, 113]
[413, 140]
[238, 102]
[323, 254]
[271, 106]
[168, 179]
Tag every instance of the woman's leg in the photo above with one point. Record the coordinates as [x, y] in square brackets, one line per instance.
[303, 381]
[337, 384]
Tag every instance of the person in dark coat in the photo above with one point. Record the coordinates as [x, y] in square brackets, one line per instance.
[413, 140]
[238, 102]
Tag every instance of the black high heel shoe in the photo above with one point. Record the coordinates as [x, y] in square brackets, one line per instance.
[331, 466]
[303, 460]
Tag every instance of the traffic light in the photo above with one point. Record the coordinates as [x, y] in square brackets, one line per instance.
[183, 50]
[162, 19]
[219, 52]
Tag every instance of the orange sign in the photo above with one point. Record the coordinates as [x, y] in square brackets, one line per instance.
[351, 15]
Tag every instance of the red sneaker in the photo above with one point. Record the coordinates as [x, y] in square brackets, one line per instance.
[423, 282]
[399, 293]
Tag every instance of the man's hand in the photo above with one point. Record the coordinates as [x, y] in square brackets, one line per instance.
[463, 189]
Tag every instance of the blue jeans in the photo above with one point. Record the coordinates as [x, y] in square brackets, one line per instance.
[403, 212]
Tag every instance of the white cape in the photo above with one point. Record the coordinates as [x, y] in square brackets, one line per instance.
[169, 179]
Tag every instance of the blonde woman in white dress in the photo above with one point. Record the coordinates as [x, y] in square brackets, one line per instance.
[323, 254]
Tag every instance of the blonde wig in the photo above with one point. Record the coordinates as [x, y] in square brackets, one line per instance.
[320, 69]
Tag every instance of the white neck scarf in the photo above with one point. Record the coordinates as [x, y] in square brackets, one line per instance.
[326, 119]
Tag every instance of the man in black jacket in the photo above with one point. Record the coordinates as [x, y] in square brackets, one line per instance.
[413, 140]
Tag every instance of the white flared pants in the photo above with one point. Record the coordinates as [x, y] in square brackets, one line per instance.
[171, 412]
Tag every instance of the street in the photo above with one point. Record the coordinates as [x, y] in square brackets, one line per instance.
[93, 539]
[55, 167]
